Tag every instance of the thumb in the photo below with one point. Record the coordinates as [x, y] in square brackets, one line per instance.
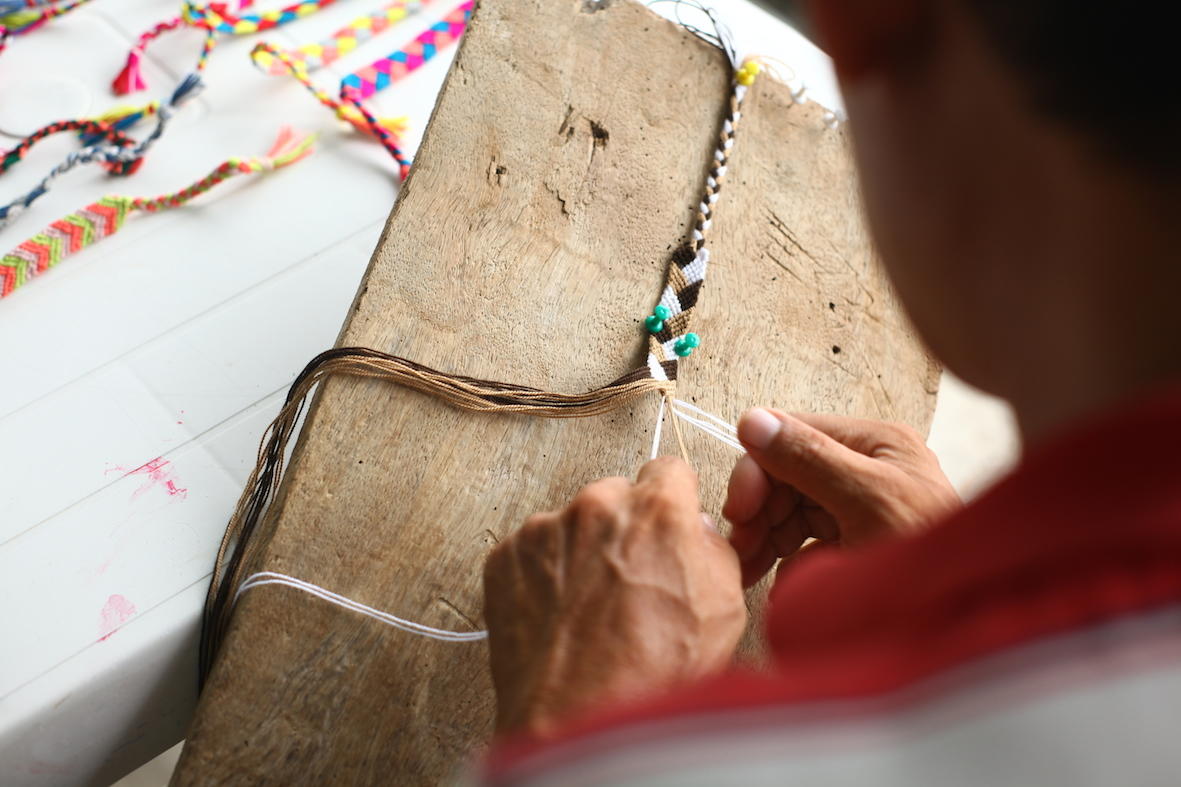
[789, 450]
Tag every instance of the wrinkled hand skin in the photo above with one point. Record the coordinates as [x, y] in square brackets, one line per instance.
[625, 592]
[835, 479]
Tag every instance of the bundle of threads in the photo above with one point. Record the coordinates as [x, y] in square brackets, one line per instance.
[103, 218]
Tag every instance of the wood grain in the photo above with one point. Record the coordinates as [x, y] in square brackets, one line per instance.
[560, 168]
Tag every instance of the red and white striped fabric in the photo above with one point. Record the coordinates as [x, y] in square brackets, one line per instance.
[1033, 639]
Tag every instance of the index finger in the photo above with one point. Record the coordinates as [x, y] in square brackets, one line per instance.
[671, 473]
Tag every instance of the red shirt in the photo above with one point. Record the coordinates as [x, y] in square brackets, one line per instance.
[1034, 637]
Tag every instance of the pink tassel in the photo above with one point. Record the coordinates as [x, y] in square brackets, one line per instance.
[130, 80]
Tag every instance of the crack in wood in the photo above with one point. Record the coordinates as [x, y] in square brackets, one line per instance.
[779, 225]
[459, 612]
[566, 130]
[783, 265]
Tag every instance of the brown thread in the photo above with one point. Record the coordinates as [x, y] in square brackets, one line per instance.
[239, 549]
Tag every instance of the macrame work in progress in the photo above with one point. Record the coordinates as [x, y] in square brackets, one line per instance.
[670, 341]
[599, 197]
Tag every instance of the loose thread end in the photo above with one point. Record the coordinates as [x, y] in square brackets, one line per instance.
[130, 79]
[290, 146]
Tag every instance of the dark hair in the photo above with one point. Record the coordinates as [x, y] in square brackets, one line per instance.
[1107, 69]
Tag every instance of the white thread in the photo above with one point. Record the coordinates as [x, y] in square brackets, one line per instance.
[655, 369]
[656, 432]
[726, 425]
[710, 430]
[274, 578]
[695, 271]
[718, 430]
[670, 301]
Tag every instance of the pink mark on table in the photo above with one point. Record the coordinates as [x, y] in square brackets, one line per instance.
[159, 472]
[114, 614]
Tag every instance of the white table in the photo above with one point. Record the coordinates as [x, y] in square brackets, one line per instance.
[137, 377]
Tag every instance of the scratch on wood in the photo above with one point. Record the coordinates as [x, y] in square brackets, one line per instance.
[885, 393]
[783, 265]
[459, 612]
[840, 366]
[777, 224]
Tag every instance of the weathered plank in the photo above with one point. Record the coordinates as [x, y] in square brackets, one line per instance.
[561, 166]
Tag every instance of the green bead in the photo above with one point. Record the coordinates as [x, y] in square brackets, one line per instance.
[654, 324]
[682, 351]
[662, 312]
[691, 340]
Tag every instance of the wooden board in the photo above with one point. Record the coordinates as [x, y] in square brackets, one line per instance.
[561, 167]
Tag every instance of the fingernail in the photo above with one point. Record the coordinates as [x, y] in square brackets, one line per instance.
[757, 428]
[708, 522]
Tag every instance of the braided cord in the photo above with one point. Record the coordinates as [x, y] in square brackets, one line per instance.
[101, 219]
[27, 20]
[383, 72]
[379, 130]
[340, 43]
[267, 53]
[215, 20]
[97, 129]
[9, 7]
[115, 157]
[672, 340]
[378, 75]
[130, 79]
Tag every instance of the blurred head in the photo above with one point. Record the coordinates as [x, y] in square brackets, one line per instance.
[1002, 144]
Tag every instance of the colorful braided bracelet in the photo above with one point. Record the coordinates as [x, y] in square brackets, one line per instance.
[105, 217]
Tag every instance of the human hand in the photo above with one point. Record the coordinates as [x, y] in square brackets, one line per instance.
[827, 477]
[625, 591]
